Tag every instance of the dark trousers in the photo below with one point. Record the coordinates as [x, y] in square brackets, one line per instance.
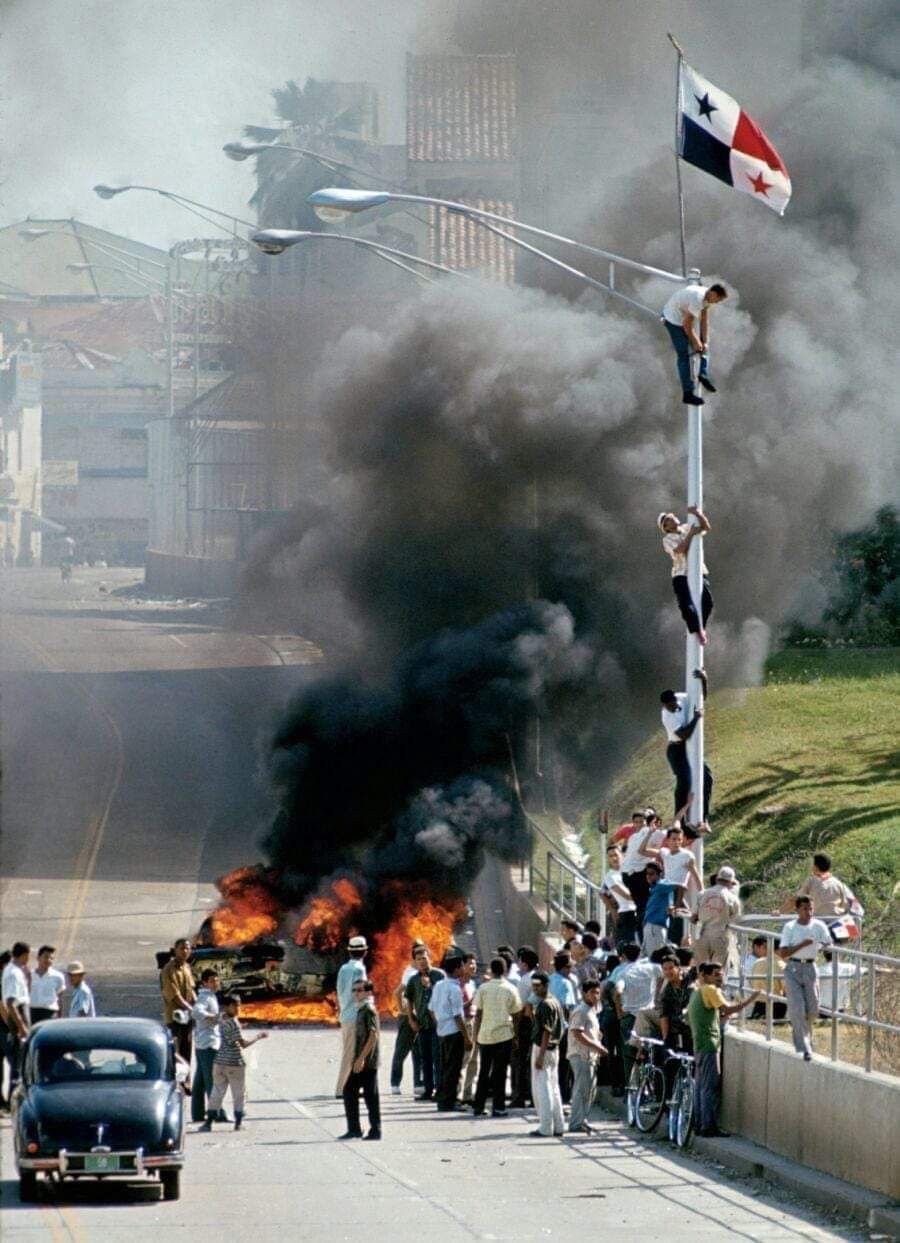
[686, 602]
[682, 344]
[492, 1068]
[627, 925]
[430, 1051]
[39, 1014]
[367, 1082]
[564, 1070]
[203, 1083]
[521, 1067]
[706, 1090]
[406, 1043]
[184, 1040]
[611, 1066]
[453, 1050]
[636, 884]
[676, 754]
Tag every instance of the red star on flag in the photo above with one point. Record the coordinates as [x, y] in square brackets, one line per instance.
[759, 184]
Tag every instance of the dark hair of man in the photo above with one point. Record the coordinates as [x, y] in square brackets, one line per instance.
[707, 968]
[506, 954]
[529, 956]
[562, 959]
[540, 977]
[498, 968]
[46, 949]
[181, 941]
[5, 957]
[571, 923]
[631, 952]
[719, 289]
[664, 951]
[20, 948]
[758, 941]
[470, 958]
[589, 941]
[685, 955]
[592, 926]
[451, 965]
[612, 961]
[231, 999]
[802, 900]
[638, 815]
[822, 862]
[666, 697]
[669, 958]
[417, 945]
[653, 867]
[589, 986]
[676, 828]
[209, 973]
[503, 950]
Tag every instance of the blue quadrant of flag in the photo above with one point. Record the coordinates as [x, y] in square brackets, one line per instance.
[700, 147]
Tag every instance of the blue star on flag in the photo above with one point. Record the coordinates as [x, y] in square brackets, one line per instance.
[706, 108]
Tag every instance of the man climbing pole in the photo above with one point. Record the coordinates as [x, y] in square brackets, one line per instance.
[687, 309]
[677, 538]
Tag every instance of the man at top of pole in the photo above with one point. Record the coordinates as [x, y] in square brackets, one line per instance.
[686, 319]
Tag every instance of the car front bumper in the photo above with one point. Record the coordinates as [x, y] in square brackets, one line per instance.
[132, 1163]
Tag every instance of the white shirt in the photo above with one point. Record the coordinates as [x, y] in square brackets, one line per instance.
[46, 988]
[615, 878]
[446, 1005]
[685, 301]
[673, 721]
[676, 864]
[15, 984]
[205, 1011]
[633, 860]
[523, 984]
[794, 932]
[671, 542]
[636, 985]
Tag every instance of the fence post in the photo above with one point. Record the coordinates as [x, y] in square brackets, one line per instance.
[870, 1011]
[835, 971]
[770, 983]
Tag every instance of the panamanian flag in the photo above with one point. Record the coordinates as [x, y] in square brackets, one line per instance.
[719, 137]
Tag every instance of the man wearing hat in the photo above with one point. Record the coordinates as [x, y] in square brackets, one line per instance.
[717, 908]
[677, 539]
[81, 1004]
[352, 972]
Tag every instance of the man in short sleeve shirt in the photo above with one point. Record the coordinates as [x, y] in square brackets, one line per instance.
[801, 940]
[686, 319]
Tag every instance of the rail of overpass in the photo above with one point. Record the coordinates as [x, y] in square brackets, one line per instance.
[829, 1114]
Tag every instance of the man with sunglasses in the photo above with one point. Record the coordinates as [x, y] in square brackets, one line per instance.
[363, 1076]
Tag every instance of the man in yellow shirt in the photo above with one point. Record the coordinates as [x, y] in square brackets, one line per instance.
[496, 1004]
[179, 993]
[707, 1010]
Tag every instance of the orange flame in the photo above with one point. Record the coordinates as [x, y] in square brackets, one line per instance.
[416, 920]
[248, 910]
[291, 1010]
[328, 919]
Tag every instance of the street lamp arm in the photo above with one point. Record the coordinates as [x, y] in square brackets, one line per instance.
[108, 192]
[390, 250]
[275, 241]
[105, 248]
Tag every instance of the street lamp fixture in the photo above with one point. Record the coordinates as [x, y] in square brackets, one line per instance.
[110, 192]
[243, 150]
[276, 241]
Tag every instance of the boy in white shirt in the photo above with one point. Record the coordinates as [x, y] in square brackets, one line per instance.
[800, 942]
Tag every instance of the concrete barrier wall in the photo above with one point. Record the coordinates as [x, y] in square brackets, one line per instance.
[827, 1115]
[524, 923]
[189, 576]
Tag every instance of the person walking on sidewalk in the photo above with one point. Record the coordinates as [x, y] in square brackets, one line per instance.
[352, 971]
[706, 1011]
[497, 1003]
[546, 1034]
[685, 317]
[585, 1046]
[207, 1042]
[229, 1067]
[363, 1075]
[677, 540]
[800, 942]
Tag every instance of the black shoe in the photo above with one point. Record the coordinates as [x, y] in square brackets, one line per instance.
[807, 1057]
[222, 1116]
[499, 1113]
[373, 1135]
[708, 384]
[207, 1125]
[691, 399]
[538, 1135]
[477, 1113]
[351, 1135]
[238, 1120]
[425, 1096]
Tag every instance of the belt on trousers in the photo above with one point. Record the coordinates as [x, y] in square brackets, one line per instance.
[801, 960]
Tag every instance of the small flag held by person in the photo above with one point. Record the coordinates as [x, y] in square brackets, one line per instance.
[719, 137]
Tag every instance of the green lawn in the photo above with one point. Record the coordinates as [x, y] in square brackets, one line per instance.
[808, 761]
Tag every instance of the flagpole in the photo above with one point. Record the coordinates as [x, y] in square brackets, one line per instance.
[678, 62]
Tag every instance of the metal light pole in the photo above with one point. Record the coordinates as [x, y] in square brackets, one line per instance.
[693, 647]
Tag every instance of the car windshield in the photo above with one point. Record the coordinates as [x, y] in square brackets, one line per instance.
[58, 1064]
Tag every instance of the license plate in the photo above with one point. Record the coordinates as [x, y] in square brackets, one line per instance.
[101, 1163]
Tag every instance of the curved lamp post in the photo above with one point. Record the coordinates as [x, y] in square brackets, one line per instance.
[276, 241]
[110, 192]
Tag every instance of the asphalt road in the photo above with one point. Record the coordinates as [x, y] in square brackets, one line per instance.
[131, 736]
[433, 1177]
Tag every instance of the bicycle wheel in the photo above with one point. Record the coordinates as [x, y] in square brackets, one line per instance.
[685, 1110]
[672, 1121]
[651, 1100]
[631, 1093]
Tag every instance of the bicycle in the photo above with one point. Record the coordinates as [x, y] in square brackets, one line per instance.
[681, 1102]
[645, 1095]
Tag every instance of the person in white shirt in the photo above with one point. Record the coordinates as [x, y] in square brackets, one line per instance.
[685, 312]
[207, 1042]
[679, 727]
[626, 908]
[47, 985]
[447, 1007]
[81, 1003]
[679, 868]
[799, 944]
[677, 540]
[634, 862]
[16, 1002]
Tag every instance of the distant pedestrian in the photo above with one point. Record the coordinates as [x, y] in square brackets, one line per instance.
[706, 1011]
[830, 897]
[546, 1033]
[363, 1075]
[521, 1074]
[179, 994]
[677, 540]
[229, 1067]
[585, 1046]
[81, 1002]
[419, 989]
[469, 985]
[207, 1042]
[352, 971]
[685, 317]
[717, 908]
[800, 942]
[497, 1003]
[16, 996]
[679, 724]
[449, 1018]
[565, 988]
[406, 1041]
[47, 986]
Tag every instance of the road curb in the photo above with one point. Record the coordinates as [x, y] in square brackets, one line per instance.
[754, 1161]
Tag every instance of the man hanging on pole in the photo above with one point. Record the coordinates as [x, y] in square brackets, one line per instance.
[677, 539]
[686, 319]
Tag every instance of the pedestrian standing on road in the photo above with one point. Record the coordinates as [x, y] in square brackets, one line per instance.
[521, 1066]
[685, 317]
[470, 984]
[229, 1067]
[179, 993]
[635, 990]
[707, 1010]
[418, 995]
[5, 1038]
[449, 1019]
[81, 1002]
[16, 996]
[406, 1041]
[565, 989]
[717, 907]
[677, 540]
[207, 1042]
[47, 986]
[546, 1033]
[353, 970]
[585, 1047]
[799, 945]
[363, 1075]
[497, 1003]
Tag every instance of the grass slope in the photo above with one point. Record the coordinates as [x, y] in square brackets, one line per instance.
[807, 761]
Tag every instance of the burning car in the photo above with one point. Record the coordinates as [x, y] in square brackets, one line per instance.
[263, 970]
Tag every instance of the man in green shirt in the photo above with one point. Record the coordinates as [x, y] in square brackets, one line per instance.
[707, 1010]
[546, 1033]
[364, 1071]
[421, 1020]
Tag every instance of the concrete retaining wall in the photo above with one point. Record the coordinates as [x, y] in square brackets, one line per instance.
[827, 1115]
[169, 575]
[524, 925]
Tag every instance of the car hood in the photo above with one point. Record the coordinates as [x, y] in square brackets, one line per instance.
[132, 1115]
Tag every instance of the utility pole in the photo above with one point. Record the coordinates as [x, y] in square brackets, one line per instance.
[693, 647]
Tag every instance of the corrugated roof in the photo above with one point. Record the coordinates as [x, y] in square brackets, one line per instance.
[461, 108]
[110, 329]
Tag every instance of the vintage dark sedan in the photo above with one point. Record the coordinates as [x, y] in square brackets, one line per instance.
[99, 1098]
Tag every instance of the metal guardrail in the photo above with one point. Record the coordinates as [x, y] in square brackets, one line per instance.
[848, 997]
